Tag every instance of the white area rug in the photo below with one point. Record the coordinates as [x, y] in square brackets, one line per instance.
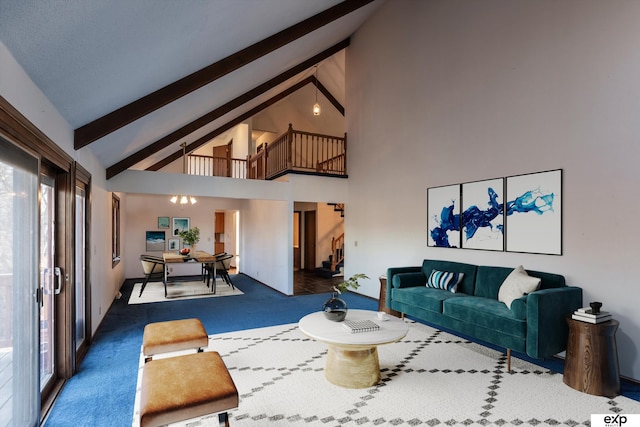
[154, 291]
[429, 378]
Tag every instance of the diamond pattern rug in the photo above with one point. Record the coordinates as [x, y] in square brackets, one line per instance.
[429, 378]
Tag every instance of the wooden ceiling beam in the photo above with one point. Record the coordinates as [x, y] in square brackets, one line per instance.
[129, 113]
[220, 111]
[208, 137]
[336, 104]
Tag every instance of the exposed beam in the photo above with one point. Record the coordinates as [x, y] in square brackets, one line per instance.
[208, 137]
[328, 95]
[129, 113]
[220, 111]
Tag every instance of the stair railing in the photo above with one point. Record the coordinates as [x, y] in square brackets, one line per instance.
[337, 251]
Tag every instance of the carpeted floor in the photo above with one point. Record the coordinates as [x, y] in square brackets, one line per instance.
[102, 392]
[154, 291]
[429, 378]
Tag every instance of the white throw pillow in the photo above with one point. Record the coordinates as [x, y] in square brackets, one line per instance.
[517, 284]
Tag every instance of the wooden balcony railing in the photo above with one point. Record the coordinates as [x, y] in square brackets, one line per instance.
[297, 151]
[294, 151]
[217, 166]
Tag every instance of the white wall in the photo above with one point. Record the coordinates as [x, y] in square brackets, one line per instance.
[142, 212]
[266, 249]
[17, 88]
[463, 91]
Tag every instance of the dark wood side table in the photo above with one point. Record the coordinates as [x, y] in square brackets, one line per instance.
[591, 362]
[383, 297]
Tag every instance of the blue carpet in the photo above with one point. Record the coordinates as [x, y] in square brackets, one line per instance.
[102, 393]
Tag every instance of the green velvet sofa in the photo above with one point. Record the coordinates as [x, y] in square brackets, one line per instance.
[535, 324]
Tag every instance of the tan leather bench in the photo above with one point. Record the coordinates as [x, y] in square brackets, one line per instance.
[173, 335]
[183, 387]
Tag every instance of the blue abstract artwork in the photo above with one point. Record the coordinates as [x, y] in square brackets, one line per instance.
[443, 210]
[534, 213]
[483, 215]
[530, 221]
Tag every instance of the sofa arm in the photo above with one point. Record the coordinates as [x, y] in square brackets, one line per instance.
[547, 312]
[391, 272]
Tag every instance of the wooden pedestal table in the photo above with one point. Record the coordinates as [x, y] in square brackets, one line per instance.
[591, 363]
[352, 358]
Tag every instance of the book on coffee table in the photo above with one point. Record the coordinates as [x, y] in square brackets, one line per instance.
[355, 326]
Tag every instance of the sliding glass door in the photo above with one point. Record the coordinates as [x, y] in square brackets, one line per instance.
[19, 287]
[50, 280]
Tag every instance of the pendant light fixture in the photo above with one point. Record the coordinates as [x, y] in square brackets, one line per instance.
[316, 106]
[183, 199]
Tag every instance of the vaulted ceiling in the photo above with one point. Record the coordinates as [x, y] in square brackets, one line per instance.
[135, 78]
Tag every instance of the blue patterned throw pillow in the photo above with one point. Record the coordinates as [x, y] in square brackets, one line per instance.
[444, 280]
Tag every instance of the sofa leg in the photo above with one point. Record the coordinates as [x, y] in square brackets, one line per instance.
[508, 360]
[402, 316]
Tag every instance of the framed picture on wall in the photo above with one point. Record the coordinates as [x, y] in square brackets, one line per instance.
[155, 241]
[178, 225]
[533, 213]
[174, 244]
[443, 211]
[163, 222]
[483, 215]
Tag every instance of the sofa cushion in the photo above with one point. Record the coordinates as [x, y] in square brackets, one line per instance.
[426, 298]
[468, 281]
[487, 313]
[517, 284]
[444, 280]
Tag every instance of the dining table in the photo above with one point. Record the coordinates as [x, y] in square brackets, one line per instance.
[202, 257]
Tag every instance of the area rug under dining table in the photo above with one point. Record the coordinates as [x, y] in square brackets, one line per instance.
[429, 378]
[180, 290]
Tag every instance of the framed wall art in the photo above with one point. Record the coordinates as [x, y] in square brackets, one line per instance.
[443, 210]
[178, 225]
[163, 222]
[155, 241]
[533, 213]
[174, 244]
[482, 224]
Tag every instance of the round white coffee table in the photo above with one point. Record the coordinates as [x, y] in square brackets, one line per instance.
[352, 358]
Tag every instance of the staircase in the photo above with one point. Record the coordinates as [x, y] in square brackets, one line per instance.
[338, 207]
[326, 271]
[335, 263]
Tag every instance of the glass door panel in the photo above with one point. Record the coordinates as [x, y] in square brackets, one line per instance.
[80, 265]
[19, 391]
[47, 279]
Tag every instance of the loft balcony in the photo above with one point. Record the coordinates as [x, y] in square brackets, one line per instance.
[293, 152]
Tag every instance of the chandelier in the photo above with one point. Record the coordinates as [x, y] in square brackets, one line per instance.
[180, 198]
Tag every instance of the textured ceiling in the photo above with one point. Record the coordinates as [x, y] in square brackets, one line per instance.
[92, 57]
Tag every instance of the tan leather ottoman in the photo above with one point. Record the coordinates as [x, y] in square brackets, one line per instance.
[173, 335]
[183, 387]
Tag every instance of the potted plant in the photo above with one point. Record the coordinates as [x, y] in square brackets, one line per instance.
[335, 308]
[190, 237]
